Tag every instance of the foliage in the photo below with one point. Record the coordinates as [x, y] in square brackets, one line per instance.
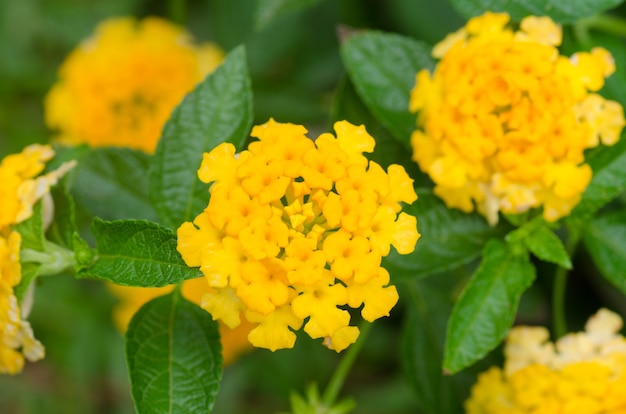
[312, 62]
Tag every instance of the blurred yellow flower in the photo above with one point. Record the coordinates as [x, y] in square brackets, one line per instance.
[582, 372]
[504, 119]
[21, 187]
[119, 87]
[295, 231]
[234, 341]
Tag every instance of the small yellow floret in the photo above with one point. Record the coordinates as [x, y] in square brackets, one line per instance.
[295, 230]
[504, 119]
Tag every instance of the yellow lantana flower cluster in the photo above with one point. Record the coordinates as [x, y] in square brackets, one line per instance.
[504, 118]
[131, 299]
[295, 230]
[20, 189]
[582, 372]
[119, 87]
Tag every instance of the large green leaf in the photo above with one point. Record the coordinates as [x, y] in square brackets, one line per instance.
[218, 110]
[605, 239]
[487, 306]
[429, 305]
[136, 253]
[562, 11]
[174, 357]
[450, 239]
[112, 183]
[268, 10]
[382, 67]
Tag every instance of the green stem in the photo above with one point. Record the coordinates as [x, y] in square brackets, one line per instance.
[177, 11]
[342, 371]
[605, 23]
[54, 260]
[559, 288]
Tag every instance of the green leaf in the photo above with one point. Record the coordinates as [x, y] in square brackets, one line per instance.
[218, 110]
[423, 338]
[487, 306]
[450, 239]
[112, 183]
[605, 239]
[609, 178]
[174, 357]
[269, 10]
[136, 253]
[63, 226]
[561, 11]
[32, 235]
[383, 67]
[542, 242]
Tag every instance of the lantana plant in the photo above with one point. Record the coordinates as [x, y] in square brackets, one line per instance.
[452, 182]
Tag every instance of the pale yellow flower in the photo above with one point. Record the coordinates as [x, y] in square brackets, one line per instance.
[504, 119]
[582, 372]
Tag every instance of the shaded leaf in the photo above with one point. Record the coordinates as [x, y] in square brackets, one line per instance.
[450, 239]
[112, 183]
[32, 235]
[605, 239]
[487, 306]
[382, 67]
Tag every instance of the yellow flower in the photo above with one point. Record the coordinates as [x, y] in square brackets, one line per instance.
[295, 231]
[504, 119]
[234, 341]
[120, 86]
[21, 187]
[582, 372]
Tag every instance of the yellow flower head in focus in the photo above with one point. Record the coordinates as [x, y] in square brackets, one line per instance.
[295, 231]
[234, 341]
[504, 118]
[582, 372]
[21, 186]
[119, 87]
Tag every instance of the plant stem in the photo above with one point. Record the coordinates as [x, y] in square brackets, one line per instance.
[343, 369]
[605, 23]
[559, 288]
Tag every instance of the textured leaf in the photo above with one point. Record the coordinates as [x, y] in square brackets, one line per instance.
[605, 239]
[561, 11]
[219, 109]
[383, 67]
[136, 253]
[450, 238]
[269, 10]
[112, 183]
[487, 306]
[174, 357]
